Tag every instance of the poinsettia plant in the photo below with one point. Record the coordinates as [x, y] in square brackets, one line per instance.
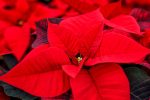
[82, 55]
[100, 53]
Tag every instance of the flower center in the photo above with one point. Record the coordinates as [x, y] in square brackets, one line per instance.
[20, 22]
[79, 58]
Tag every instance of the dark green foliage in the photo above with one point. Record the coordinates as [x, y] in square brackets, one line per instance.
[18, 94]
[139, 83]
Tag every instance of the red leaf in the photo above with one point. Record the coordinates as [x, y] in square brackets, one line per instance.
[4, 49]
[40, 72]
[128, 22]
[3, 25]
[77, 39]
[112, 10]
[53, 39]
[18, 40]
[130, 26]
[101, 82]
[119, 49]
[22, 6]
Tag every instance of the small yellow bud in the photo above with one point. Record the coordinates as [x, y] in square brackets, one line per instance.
[79, 59]
[20, 22]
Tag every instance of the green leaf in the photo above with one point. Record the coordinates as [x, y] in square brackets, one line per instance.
[139, 83]
[10, 61]
[14, 92]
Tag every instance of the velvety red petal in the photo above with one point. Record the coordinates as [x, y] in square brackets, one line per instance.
[120, 49]
[40, 73]
[53, 39]
[4, 49]
[4, 25]
[101, 82]
[79, 33]
[112, 10]
[130, 26]
[128, 22]
[18, 39]
[22, 6]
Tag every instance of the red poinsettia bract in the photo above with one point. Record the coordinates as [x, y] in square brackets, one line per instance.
[81, 56]
[15, 30]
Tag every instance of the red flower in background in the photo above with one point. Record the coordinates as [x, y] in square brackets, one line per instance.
[24, 13]
[88, 54]
[16, 28]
